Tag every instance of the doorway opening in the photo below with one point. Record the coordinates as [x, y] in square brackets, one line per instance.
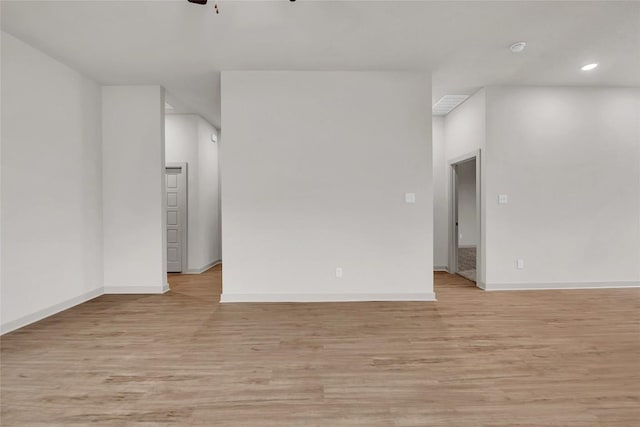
[464, 239]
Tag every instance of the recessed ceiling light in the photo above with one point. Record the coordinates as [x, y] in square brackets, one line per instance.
[517, 47]
[589, 67]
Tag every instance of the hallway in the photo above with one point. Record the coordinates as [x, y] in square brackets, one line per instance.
[553, 358]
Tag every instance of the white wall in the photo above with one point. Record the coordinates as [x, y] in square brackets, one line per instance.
[465, 127]
[466, 183]
[181, 145]
[209, 206]
[51, 186]
[188, 139]
[133, 189]
[464, 134]
[440, 206]
[569, 160]
[314, 170]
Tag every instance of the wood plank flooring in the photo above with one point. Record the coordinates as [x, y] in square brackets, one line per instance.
[474, 358]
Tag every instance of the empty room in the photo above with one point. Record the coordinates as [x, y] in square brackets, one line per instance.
[290, 213]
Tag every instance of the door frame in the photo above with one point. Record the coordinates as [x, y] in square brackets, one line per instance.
[453, 213]
[183, 179]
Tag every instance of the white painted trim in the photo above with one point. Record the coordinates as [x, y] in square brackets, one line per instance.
[441, 268]
[203, 269]
[556, 286]
[134, 289]
[49, 311]
[230, 298]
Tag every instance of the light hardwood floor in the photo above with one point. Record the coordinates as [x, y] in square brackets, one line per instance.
[474, 358]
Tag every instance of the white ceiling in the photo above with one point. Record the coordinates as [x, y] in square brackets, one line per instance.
[184, 47]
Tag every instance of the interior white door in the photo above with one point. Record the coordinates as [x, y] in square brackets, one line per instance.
[176, 187]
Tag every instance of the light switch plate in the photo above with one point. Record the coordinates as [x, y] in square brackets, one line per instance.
[503, 199]
[410, 197]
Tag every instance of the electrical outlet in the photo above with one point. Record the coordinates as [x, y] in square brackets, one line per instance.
[339, 272]
[520, 263]
[503, 199]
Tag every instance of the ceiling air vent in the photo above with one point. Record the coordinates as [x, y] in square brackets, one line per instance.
[447, 103]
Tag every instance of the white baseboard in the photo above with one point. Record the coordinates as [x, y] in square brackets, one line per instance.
[441, 268]
[203, 269]
[550, 286]
[49, 311]
[230, 298]
[136, 289]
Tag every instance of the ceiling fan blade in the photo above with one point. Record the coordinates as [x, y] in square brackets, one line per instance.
[198, 1]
